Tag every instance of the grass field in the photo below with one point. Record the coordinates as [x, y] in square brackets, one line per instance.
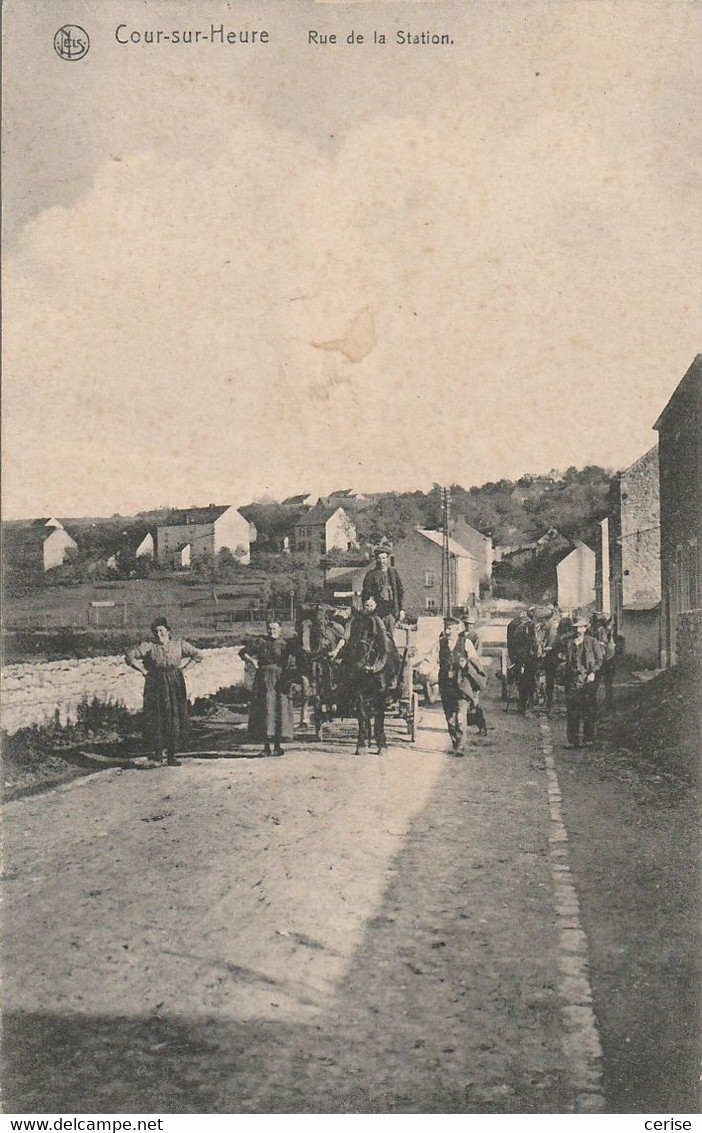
[133, 604]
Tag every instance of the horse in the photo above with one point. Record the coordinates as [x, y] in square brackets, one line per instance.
[318, 635]
[527, 649]
[369, 671]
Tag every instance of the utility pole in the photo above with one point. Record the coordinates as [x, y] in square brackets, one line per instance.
[446, 596]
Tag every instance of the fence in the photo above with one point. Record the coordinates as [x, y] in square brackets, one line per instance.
[138, 616]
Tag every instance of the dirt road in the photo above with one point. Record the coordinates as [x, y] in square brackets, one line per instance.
[318, 933]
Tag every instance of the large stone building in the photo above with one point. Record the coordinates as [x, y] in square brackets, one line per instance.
[418, 558]
[628, 581]
[680, 461]
[184, 537]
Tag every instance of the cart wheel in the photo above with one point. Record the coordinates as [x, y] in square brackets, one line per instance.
[412, 718]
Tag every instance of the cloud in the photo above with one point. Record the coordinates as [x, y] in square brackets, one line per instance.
[161, 333]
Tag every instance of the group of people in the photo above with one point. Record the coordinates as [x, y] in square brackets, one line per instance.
[364, 650]
[574, 649]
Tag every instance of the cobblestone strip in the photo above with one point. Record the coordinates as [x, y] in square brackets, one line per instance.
[581, 1039]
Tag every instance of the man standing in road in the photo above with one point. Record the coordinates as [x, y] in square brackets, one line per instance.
[384, 584]
[583, 658]
[448, 686]
[523, 652]
[551, 642]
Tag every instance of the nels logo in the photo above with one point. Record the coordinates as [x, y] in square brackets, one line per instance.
[71, 42]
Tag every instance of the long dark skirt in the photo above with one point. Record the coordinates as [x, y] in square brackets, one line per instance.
[271, 711]
[165, 709]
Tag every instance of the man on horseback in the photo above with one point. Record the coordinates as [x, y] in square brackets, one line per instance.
[384, 584]
[369, 663]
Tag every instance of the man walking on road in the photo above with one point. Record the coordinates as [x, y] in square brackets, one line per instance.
[583, 658]
[384, 584]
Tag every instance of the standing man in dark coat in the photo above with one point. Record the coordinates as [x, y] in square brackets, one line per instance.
[448, 685]
[384, 584]
[583, 659]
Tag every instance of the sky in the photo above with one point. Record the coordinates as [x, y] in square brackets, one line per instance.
[236, 270]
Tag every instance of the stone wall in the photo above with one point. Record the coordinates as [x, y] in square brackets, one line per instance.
[43, 691]
[689, 640]
[640, 531]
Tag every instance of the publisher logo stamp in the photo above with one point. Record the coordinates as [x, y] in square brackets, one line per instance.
[71, 42]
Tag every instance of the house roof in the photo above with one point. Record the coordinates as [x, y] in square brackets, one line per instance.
[691, 378]
[296, 501]
[319, 514]
[454, 547]
[192, 515]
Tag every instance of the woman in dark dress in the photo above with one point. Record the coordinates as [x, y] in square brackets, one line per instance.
[160, 661]
[271, 711]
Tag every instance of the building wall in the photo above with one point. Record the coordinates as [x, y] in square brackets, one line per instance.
[640, 631]
[602, 568]
[418, 562]
[310, 540]
[680, 459]
[56, 547]
[639, 490]
[468, 577]
[340, 532]
[200, 535]
[233, 531]
[146, 547]
[576, 578]
[479, 545]
[43, 691]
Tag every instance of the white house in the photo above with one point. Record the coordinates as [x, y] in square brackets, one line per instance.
[206, 531]
[576, 577]
[39, 546]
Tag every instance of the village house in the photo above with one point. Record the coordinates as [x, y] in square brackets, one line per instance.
[576, 578]
[323, 529]
[185, 537]
[37, 547]
[477, 544]
[418, 559]
[680, 463]
[628, 583]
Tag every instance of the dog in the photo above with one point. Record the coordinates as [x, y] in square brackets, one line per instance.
[477, 716]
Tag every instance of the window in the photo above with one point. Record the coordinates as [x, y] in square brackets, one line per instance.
[429, 578]
[431, 603]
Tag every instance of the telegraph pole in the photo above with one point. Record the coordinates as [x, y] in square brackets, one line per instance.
[446, 596]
